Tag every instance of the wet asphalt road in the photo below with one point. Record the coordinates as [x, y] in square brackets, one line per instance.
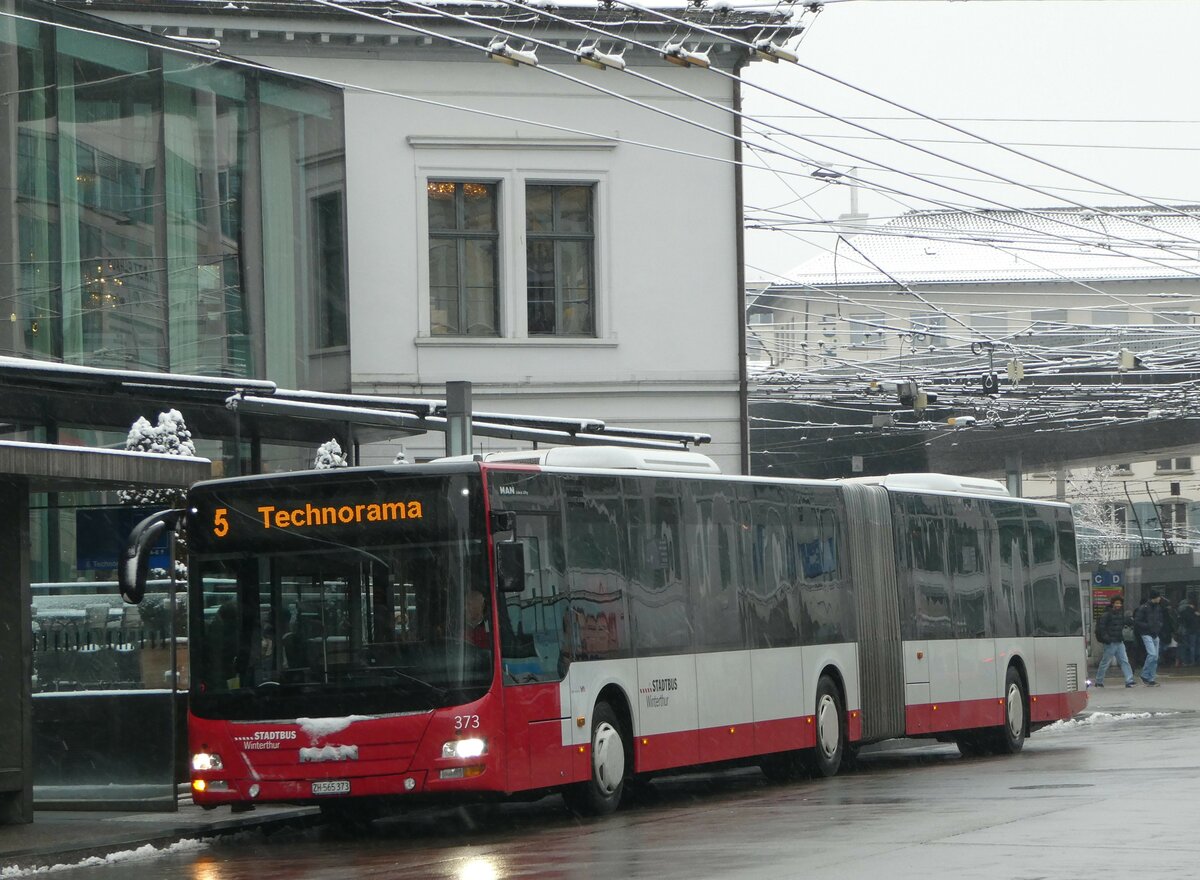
[1115, 798]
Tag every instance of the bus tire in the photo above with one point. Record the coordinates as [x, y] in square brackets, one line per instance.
[1009, 738]
[973, 745]
[825, 758]
[610, 765]
[783, 766]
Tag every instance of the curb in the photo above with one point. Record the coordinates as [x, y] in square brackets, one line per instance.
[73, 851]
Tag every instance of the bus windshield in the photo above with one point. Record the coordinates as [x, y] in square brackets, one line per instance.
[339, 626]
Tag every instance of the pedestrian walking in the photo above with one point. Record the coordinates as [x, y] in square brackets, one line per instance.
[1110, 628]
[1148, 622]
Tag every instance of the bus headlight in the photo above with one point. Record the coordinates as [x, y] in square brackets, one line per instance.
[464, 748]
[207, 761]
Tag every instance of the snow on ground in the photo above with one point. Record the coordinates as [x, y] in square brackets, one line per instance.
[141, 854]
[1094, 718]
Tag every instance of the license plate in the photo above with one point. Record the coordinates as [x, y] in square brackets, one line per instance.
[331, 786]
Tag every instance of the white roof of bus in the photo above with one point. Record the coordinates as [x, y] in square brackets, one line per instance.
[611, 458]
[619, 458]
[936, 483]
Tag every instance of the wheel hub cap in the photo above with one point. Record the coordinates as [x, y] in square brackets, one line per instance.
[828, 732]
[1016, 711]
[608, 758]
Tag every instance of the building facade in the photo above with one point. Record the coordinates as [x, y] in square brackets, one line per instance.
[555, 234]
[952, 299]
[167, 210]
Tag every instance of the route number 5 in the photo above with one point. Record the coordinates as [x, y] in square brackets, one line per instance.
[221, 522]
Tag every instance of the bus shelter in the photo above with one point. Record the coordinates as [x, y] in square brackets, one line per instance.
[57, 628]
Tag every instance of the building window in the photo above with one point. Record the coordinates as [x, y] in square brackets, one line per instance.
[1167, 465]
[1049, 320]
[560, 258]
[866, 330]
[1113, 315]
[464, 246]
[329, 270]
[1172, 520]
[990, 325]
[930, 330]
[1123, 467]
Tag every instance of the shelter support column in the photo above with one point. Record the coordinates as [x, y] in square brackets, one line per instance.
[16, 657]
[1012, 473]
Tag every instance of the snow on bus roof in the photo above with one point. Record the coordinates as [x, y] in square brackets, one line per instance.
[936, 483]
[611, 458]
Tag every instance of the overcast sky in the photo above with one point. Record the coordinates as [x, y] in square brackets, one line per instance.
[1129, 67]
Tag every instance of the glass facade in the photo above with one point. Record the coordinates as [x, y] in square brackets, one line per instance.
[167, 210]
[163, 210]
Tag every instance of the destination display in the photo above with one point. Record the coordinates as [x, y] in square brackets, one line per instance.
[268, 515]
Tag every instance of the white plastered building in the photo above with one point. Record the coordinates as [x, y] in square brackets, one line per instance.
[570, 252]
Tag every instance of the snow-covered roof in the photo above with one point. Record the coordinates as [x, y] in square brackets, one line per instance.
[721, 15]
[990, 246]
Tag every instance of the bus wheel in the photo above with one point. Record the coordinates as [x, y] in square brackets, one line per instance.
[601, 794]
[973, 745]
[826, 757]
[783, 766]
[1009, 739]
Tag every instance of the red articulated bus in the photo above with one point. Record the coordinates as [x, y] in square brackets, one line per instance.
[573, 618]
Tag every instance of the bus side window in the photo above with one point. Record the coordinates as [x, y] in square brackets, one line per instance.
[825, 612]
[1010, 555]
[1069, 562]
[925, 546]
[535, 629]
[1045, 587]
[968, 570]
[596, 569]
[773, 618]
[658, 599]
[713, 567]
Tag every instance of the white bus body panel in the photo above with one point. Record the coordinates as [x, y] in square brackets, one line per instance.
[721, 680]
[976, 669]
[686, 692]
[779, 686]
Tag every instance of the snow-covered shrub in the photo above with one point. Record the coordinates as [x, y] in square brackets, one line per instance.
[329, 455]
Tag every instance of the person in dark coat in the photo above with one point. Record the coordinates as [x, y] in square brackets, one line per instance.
[1189, 630]
[1148, 622]
[1109, 628]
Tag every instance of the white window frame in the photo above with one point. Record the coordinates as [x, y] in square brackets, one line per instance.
[511, 164]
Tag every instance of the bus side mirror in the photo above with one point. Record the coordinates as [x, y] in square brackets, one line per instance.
[510, 567]
[134, 563]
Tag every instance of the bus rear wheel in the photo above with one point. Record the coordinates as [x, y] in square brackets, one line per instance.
[825, 758]
[783, 766]
[1009, 738]
[601, 793]
[974, 745]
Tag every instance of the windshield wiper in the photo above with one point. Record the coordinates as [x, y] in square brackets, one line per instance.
[429, 687]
